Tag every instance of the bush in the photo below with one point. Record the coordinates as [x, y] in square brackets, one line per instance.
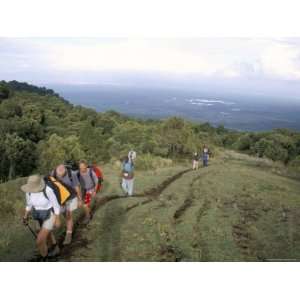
[276, 152]
[243, 143]
[295, 162]
[260, 147]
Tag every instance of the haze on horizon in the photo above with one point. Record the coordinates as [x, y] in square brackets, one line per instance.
[269, 67]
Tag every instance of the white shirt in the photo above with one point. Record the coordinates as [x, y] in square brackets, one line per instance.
[39, 201]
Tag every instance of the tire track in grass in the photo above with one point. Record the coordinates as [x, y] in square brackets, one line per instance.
[80, 241]
[187, 202]
[155, 192]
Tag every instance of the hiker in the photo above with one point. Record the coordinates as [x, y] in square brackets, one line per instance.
[132, 155]
[127, 176]
[205, 156]
[68, 177]
[195, 164]
[88, 182]
[41, 202]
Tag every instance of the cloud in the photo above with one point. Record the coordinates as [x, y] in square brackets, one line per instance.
[281, 60]
[144, 55]
[209, 58]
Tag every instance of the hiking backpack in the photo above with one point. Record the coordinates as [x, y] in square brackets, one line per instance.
[63, 192]
[72, 165]
[69, 173]
[99, 175]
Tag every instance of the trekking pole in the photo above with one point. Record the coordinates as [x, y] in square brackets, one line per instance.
[31, 230]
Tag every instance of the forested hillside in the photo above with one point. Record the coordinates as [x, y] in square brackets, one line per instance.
[39, 129]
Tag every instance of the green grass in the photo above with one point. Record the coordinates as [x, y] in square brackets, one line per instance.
[237, 209]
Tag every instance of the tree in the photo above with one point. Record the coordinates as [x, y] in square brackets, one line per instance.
[57, 150]
[10, 109]
[20, 155]
[94, 143]
[5, 91]
[178, 136]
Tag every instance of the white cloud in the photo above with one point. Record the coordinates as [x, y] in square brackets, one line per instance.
[220, 58]
[282, 61]
[133, 55]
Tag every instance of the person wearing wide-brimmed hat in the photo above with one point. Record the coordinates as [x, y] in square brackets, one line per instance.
[42, 203]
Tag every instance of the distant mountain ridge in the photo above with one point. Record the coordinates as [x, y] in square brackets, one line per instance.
[246, 112]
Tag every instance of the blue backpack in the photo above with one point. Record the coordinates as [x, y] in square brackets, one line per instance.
[128, 167]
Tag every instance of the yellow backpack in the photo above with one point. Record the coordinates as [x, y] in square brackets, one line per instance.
[62, 191]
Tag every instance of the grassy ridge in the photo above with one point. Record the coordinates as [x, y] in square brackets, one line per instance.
[17, 243]
[231, 211]
[237, 209]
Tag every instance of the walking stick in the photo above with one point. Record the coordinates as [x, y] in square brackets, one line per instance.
[31, 230]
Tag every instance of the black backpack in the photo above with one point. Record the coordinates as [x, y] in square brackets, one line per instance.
[69, 172]
[72, 165]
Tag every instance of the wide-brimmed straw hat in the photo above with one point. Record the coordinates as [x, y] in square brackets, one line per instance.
[35, 184]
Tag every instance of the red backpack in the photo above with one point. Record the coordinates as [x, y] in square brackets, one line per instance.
[99, 175]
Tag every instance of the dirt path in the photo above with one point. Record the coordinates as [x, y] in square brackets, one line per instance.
[81, 241]
[187, 202]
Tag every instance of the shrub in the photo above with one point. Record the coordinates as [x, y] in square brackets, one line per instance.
[295, 162]
[243, 143]
[276, 152]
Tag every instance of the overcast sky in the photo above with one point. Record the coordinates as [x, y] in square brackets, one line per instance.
[78, 61]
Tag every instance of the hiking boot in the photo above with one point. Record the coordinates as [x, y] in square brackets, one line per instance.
[86, 220]
[43, 258]
[68, 239]
[54, 252]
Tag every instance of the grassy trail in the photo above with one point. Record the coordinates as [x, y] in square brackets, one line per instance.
[227, 212]
[234, 210]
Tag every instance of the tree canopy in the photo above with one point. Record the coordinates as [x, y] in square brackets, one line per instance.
[39, 129]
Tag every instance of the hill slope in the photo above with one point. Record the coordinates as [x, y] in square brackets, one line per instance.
[240, 208]
[231, 211]
[234, 210]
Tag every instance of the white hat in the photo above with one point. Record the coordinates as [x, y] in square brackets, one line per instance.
[35, 184]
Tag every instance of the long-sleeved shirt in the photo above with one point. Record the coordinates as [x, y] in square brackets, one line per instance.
[40, 202]
[86, 181]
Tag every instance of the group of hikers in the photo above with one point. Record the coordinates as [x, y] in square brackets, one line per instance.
[202, 155]
[71, 186]
[65, 189]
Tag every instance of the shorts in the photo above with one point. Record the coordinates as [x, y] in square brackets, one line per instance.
[49, 223]
[71, 205]
[195, 164]
[88, 198]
